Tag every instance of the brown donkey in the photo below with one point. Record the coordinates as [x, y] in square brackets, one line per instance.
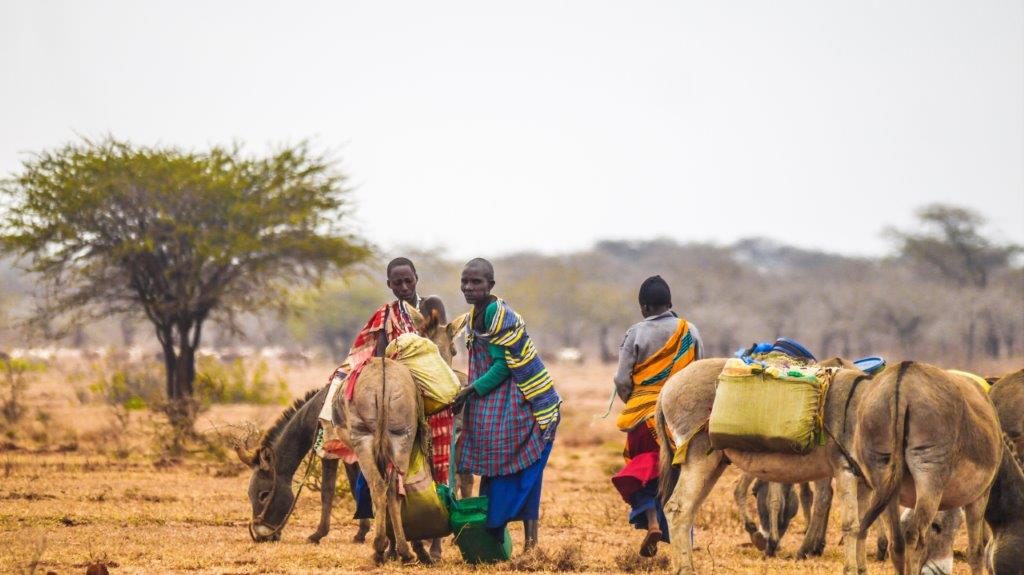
[930, 440]
[383, 421]
[683, 410]
[1005, 512]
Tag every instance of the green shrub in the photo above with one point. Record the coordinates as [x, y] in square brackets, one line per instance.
[219, 383]
[16, 375]
[130, 386]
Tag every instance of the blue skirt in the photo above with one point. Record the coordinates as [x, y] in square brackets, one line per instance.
[516, 496]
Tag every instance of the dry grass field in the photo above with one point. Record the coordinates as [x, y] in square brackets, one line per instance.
[80, 501]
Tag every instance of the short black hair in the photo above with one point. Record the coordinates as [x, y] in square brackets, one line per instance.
[655, 292]
[401, 262]
[486, 265]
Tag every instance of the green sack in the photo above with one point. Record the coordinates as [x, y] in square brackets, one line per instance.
[468, 519]
[759, 412]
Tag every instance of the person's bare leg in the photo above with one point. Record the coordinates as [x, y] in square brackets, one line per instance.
[649, 547]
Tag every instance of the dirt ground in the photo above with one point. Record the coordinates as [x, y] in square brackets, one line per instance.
[141, 513]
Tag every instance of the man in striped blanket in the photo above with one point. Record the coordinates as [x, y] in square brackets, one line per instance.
[652, 351]
[511, 408]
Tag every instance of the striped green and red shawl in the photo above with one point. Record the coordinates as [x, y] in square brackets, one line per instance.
[508, 331]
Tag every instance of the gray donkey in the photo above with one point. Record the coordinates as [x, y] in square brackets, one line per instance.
[274, 462]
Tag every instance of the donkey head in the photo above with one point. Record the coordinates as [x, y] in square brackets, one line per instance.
[777, 504]
[436, 330]
[270, 494]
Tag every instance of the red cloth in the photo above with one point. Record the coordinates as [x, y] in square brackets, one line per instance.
[365, 343]
[441, 425]
[641, 462]
[350, 381]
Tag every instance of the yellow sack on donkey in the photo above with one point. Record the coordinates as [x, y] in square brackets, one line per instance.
[436, 381]
[424, 515]
[767, 409]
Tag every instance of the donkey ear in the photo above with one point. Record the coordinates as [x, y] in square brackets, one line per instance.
[432, 322]
[418, 321]
[245, 456]
[457, 324]
[264, 456]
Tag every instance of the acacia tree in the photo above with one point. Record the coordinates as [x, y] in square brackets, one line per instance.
[953, 247]
[180, 237]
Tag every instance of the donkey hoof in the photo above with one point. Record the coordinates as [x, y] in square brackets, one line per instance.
[883, 550]
[378, 558]
[759, 541]
[409, 559]
[359, 538]
[424, 557]
[315, 538]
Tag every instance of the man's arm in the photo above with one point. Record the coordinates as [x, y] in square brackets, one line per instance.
[496, 374]
[627, 359]
[697, 341]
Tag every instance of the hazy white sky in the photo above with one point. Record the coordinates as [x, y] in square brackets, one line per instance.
[493, 127]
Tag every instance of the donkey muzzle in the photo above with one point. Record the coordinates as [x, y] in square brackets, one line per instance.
[260, 533]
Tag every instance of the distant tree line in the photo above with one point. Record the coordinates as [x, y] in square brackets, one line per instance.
[946, 295]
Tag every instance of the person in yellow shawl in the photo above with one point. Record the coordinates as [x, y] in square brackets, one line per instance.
[652, 351]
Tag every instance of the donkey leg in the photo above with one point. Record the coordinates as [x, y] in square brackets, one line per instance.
[918, 530]
[847, 483]
[863, 495]
[435, 549]
[776, 503]
[896, 544]
[696, 478]
[379, 494]
[974, 513]
[394, 510]
[328, 481]
[420, 549]
[739, 494]
[814, 538]
[806, 501]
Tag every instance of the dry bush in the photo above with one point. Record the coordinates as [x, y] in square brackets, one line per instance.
[567, 558]
[632, 562]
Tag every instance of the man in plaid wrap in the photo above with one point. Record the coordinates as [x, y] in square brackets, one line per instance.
[511, 408]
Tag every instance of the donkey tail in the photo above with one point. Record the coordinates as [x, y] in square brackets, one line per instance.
[668, 473]
[381, 444]
[892, 478]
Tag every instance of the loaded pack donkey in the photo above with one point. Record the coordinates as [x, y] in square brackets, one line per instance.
[281, 449]
[683, 410]
[1005, 511]
[383, 421]
[777, 504]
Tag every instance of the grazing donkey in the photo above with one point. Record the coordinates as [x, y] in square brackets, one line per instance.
[274, 462]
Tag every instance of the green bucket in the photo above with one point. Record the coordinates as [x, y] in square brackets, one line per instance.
[468, 519]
